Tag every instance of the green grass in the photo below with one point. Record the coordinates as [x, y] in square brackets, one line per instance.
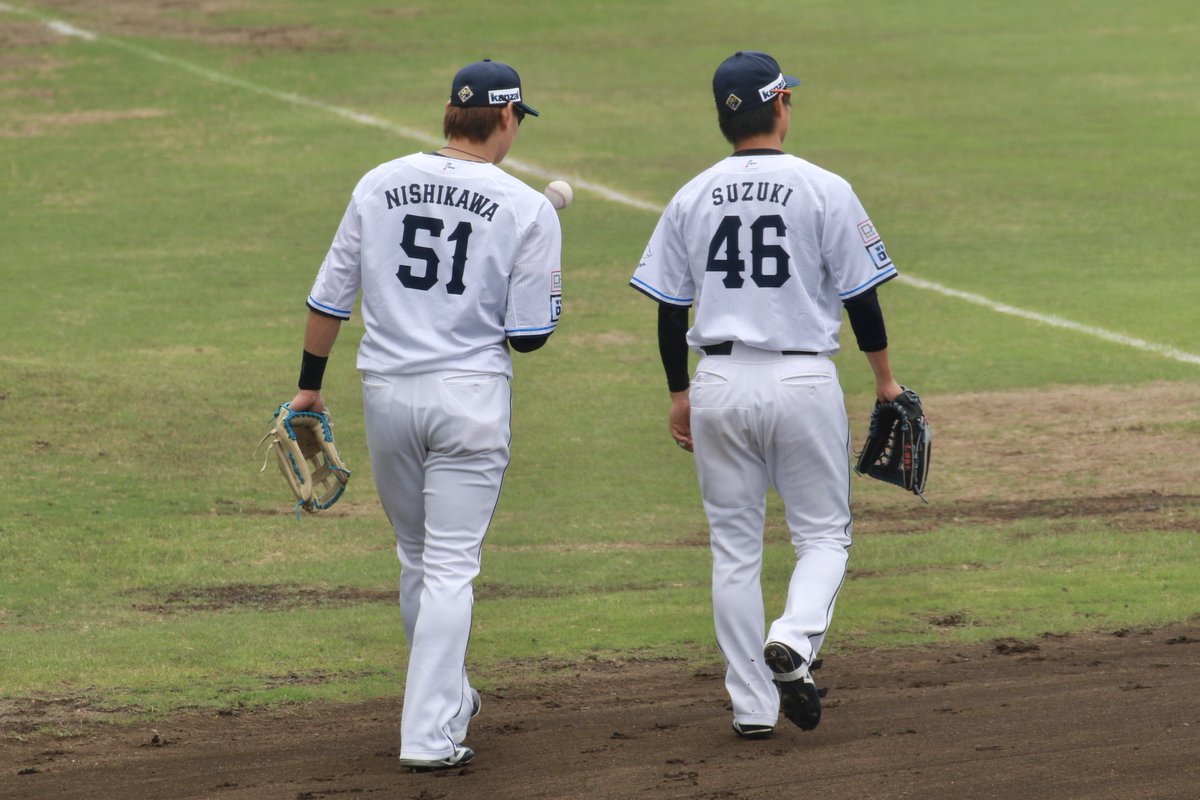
[161, 229]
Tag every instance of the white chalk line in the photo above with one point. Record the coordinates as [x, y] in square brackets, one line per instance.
[1052, 320]
[1058, 322]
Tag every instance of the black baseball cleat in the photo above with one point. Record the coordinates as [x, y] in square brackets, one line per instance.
[799, 698]
[461, 756]
[753, 731]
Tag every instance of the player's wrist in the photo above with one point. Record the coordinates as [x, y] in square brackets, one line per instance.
[312, 372]
[887, 391]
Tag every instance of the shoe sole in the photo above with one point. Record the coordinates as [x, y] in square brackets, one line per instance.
[754, 732]
[420, 765]
[799, 700]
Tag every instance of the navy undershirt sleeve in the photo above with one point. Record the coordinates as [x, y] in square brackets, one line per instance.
[672, 344]
[527, 344]
[866, 319]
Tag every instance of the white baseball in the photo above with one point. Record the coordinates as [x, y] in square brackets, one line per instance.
[560, 193]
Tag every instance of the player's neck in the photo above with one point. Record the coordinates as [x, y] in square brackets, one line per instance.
[764, 141]
[466, 150]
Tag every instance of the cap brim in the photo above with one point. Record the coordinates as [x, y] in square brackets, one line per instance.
[790, 81]
[527, 109]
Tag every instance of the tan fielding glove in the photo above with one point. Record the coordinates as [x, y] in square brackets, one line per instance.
[304, 448]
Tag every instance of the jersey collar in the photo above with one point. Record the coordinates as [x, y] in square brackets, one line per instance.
[759, 151]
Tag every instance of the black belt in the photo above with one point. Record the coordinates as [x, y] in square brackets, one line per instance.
[726, 348]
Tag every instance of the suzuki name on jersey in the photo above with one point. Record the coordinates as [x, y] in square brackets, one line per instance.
[439, 194]
[746, 191]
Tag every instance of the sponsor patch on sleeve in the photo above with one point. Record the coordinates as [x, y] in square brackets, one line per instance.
[555, 295]
[867, 231]
[879, 254]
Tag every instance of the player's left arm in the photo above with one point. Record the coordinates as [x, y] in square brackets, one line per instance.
[535, 286]
[851, 246]
[860, 264]
[866, 320]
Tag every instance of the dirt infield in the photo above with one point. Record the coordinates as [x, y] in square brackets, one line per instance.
[1101, 716]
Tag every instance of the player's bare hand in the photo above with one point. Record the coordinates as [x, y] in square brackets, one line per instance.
[680, 420]
[889, 391]
[307, 400]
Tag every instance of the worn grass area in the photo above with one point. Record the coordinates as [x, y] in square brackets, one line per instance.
[167, 202]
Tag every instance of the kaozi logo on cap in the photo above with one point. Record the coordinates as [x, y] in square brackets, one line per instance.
[768, 92]
[733, 102]
[501, 96]
[465, 94]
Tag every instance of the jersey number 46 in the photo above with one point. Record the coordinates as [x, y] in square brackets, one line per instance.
[727, 241]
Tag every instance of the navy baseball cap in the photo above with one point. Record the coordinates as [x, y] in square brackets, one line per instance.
[488, 84]
[747, 80]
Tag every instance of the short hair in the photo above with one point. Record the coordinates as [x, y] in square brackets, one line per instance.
[738, 127]
[473, 124]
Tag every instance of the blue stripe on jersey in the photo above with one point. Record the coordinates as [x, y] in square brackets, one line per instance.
[887, 274]
[647, 289]
[337, 312]
[527, 331]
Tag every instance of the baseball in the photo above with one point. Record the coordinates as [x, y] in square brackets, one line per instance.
[560, 194]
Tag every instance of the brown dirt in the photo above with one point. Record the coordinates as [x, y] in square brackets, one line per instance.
[1086, 717]
[1059, 444]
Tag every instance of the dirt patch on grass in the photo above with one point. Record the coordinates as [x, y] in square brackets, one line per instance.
[1128, 512]
[366, 506]
[17, 126]
[16, 33]
[1051, 452]
[194, 20]
[276, 597]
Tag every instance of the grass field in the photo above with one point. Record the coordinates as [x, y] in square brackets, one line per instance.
[172, 174]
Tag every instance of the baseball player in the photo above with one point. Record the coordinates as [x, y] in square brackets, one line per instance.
[769, 249]
[457, 261]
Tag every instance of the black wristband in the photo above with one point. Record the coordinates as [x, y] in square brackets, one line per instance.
[312, 371]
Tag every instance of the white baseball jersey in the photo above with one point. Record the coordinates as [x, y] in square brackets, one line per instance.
[452, 257]
[773, 245]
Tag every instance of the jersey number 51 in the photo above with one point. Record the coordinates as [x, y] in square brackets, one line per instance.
[460, 236]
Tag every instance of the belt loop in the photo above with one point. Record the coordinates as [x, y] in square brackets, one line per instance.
[726, 348]
[720, 349]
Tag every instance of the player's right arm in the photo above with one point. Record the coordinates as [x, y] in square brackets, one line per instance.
[329, 303]
[663, 275]
[320, 332]
[673, 350]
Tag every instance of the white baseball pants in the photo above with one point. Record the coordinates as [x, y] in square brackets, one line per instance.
[439, 449]
[764, 419]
